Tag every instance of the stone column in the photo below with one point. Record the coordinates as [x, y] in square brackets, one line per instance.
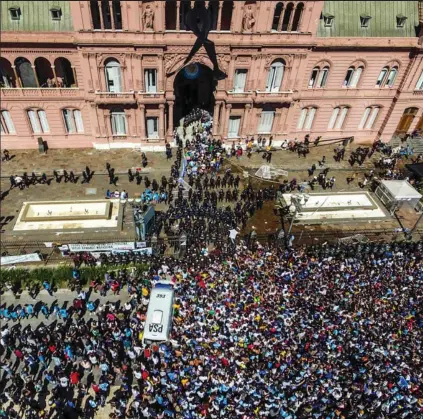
[101, 14]
[280, 19]
[53, 67]
[178, 23]
[291, 19]
[36, 75]
[216, 118]
[161, 121]
[170, 118]
[226, 119]
[234, 16]
[282, 120]
[219, 17]
[17, 78]
[142, 109]
[245, 119]
[112, 20]
[74, 76]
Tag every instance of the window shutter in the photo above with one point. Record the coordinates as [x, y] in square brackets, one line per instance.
[310, 118]
[341, 118]
[277, 79]
[332, 120]
[270, 75]
[240, 78]
[419, 85]
[382, 75]
[323, 77]
[67, 115]
[356, 77]
[372, 118]
[78, 120]
[364, 118]
[234, 123]
[391, 78]
[266, 121]
[43, 120]
[35, 124]
[302, 118]
[9, 123]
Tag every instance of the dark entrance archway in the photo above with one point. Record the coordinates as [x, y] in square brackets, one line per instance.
[194, 88]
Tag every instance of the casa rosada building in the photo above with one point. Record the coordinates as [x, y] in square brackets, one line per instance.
[110, 73]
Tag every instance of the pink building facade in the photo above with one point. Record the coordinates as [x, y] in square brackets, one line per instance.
[113, 76]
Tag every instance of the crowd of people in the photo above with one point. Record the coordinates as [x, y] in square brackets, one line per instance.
[256, 333]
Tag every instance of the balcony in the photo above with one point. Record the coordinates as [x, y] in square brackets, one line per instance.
[273, 97]
[35, 92]
[109, 98]
[151, 98]
[239, 97]
[345, 92]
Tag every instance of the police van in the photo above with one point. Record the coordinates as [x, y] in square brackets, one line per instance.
[158, 322]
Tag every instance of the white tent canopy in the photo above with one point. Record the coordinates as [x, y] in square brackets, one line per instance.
[395, 193]
[400, 190]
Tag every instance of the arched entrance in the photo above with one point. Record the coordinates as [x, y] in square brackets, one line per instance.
[406, 121]
[194, 88]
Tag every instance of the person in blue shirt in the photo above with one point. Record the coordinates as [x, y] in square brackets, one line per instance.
[91, 306]
[45, 311]
[30, 310]
[47, 287]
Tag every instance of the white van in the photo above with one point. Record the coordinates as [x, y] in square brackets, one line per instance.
[158, 322]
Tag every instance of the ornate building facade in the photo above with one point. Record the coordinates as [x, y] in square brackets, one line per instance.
[110, 73]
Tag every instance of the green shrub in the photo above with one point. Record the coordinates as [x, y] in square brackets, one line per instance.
[60, 275]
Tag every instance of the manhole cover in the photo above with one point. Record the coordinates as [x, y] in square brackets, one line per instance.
[90, 191]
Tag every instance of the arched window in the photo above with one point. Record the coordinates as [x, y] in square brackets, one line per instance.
[381, 79]
[113, 76]
[6, 123]
[73, 121]
[64, 72]
[38, 121]
[214, 12]
[306, 118]
[170, 15]
[226, 15]
[108, 16]
[353, 76]
[7, 77]
[44, 72]
[323, 76]
[314, 76]
[277, 17]
[95, 14]
[297, 17]
[369, 117]
[338, 117]
[184, 8]
[318, 77]
[275, 76]
[287, 17]
[25, 72]
[391, 77]
[419, 84]
[118, 122]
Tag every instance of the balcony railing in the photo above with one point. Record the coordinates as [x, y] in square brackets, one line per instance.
[273, 97]
[114, 98]
[39, 92]
[418, 92]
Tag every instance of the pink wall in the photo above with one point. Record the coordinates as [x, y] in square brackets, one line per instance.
[137, 48]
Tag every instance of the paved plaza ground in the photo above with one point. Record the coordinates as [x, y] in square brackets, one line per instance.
[264, 220]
